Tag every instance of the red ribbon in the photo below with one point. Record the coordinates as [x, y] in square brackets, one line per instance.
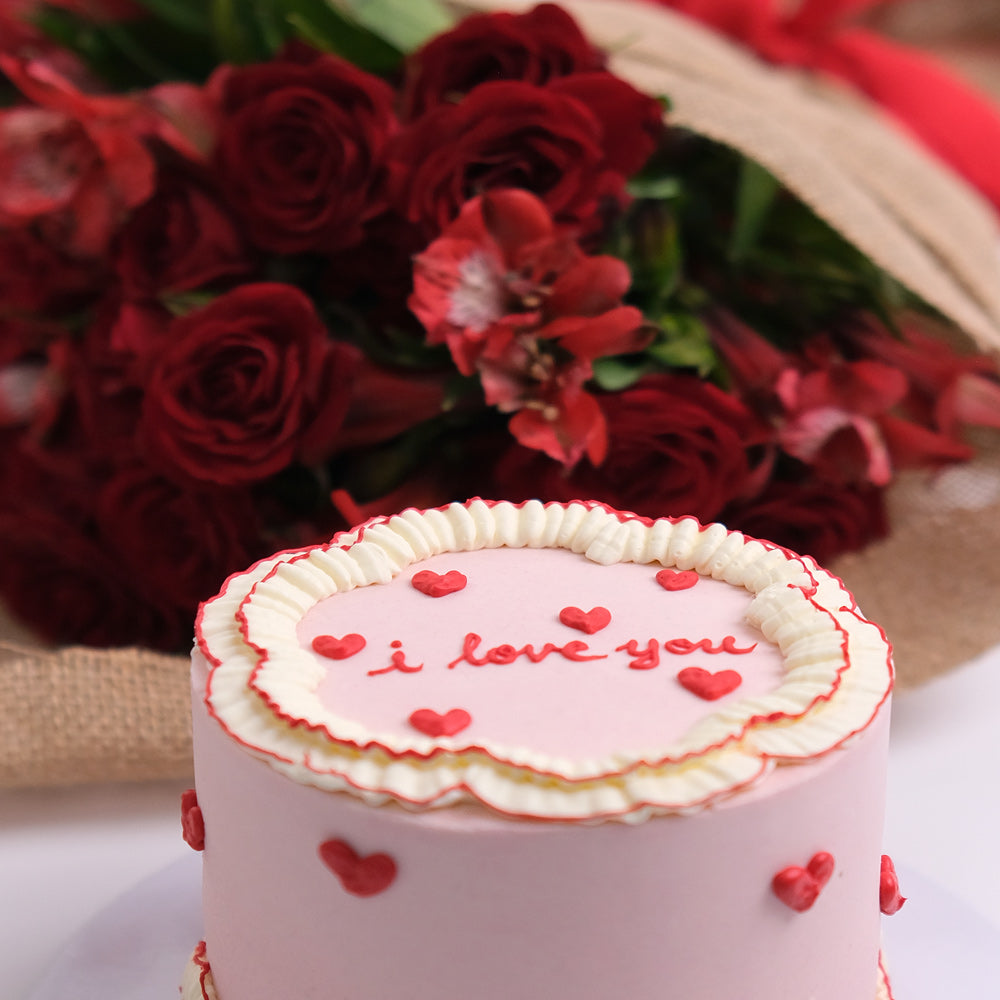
[952, 118]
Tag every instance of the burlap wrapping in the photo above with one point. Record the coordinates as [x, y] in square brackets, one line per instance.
[77, 715]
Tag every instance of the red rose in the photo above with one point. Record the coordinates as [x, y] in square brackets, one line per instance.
[536, 47]
[677, 445]
[182, 238]
[245, 386]
[66, 587]
[631, 122]
[301, 150]
[506, 135]
[822, 520]
[177, 544]
[36, 277]
[102, 396]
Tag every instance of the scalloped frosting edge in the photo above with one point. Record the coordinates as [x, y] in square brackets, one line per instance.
[838, 667]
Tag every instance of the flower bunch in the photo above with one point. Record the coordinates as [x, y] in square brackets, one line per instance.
[260, 277]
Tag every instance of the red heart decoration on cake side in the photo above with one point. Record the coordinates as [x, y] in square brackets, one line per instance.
[586, 621]
[798, 888]
[360, 876]
[707, 685]
[338, 648]
[437, 584]
[432, 723]
[890, 900]
[677, 579]
[192, 821]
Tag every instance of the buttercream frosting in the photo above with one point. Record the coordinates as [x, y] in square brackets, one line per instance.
[272, 691]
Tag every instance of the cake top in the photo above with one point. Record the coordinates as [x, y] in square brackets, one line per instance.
[558, 661]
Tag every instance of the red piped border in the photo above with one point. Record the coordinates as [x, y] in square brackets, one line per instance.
[204, 968]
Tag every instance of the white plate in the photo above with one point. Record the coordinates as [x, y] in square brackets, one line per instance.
[136, 949]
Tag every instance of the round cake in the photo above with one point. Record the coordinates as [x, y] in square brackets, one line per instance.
[538, 750]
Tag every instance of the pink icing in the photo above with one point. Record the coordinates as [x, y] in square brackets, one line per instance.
[498, 649]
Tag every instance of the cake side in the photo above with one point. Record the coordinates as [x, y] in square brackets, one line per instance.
[451, 834]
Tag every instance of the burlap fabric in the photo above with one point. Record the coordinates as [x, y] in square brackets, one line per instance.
[75, 715]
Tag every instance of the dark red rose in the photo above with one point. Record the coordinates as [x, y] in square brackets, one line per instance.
[301, 150]
[246, 386]
[821, 520]
[182, 238]
[506, 135]
[101, 392]
[64, 585]
[677, 445]
[384, 403]
[536, 46]
[631, 122]
[178, 544]
[36, 277]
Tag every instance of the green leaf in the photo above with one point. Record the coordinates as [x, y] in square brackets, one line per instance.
[182, 303]
[329, 29]
[653, 252]
[684, 343]
[617, 373]
[133, 54]
[237, 28]
[757, 191]
[404, 24]
[655, 188]
[190, 16]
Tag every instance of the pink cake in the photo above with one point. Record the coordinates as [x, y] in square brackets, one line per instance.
[498, 751]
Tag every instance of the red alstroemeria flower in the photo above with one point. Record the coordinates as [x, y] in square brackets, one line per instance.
[553, 413]
[516, 300]
[72, 164]
[856, 421]
[832, 418]
[946, 390]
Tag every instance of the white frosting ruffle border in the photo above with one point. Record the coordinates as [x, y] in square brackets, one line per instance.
[262, 683]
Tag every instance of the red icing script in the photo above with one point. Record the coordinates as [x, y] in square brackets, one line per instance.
[798, 888]
[438, 584]
[359, 875]
[525, 627]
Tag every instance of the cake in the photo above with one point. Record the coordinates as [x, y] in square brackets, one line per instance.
[530, 751]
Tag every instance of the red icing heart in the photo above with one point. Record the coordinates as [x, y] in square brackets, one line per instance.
[707, 685]
[889, 899]
[586, 621]
[798, 888]
[192, 821]
[672, 579]
[434, 724]
[437, 585]
[360, 876]
[339, 649]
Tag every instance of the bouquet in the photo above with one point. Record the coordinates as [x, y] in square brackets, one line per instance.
[270, 268]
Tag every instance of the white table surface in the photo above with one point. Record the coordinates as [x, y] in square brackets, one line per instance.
[66, 854]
